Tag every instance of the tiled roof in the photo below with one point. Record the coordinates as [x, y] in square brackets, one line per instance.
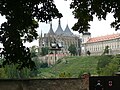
[51, 32]
[59, 30]
[103, 38]
[67, 31]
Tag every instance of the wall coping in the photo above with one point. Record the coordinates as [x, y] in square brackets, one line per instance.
[27, 79]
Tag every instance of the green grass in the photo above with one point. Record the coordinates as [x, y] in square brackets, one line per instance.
[75, 65]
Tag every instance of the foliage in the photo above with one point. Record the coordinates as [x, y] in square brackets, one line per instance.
[112, 67]
[106, 50]
[72, 49]
[65, 75]
[88, 52]
[33, 51]
[103, 61]
[2, 73]
[85, 10]
[1, 61]
[22, 20]
[44, 65]
[80, 74]
[11, 72]
[59, 61]
[44, 51]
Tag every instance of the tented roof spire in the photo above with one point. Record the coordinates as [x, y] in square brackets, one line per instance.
[51, 32]
[59, 30]
[67, 31]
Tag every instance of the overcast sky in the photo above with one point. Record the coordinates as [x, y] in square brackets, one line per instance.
[98, 28]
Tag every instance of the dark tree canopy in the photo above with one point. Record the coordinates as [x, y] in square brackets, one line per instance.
[84, 10]
[106, 50]
[72, 49]
[44, 51]
[22, 20]
[88, 52]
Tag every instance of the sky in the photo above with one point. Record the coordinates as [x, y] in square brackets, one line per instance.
[98, 28]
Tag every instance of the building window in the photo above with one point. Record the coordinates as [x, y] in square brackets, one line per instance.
[82, 40]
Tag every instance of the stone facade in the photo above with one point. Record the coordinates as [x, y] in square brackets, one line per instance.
[51, 59]
[63, 37]
[97, 45]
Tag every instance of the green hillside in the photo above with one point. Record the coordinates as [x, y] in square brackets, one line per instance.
[73, 66]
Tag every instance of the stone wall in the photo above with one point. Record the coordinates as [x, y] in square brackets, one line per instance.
[42, 84]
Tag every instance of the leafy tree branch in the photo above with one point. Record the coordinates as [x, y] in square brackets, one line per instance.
[22, 20]
[84, 10]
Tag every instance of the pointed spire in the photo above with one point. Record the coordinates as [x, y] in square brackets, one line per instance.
[67, 31]
[59, 22]
[59, 30]
[50, 25]
[51, 32]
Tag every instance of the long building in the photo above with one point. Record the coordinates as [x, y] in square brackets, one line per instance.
[96, 45]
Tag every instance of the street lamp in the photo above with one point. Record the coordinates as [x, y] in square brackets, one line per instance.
[55, 47]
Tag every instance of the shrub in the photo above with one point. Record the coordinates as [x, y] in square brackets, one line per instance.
[103, 61]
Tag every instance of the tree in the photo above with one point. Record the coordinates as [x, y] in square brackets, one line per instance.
[88, 52]
[103, 61]
[44, 51]
[112, 67]
[106, 50]
[33, 51]
[72, 49]
[85, 10]
[22, 20]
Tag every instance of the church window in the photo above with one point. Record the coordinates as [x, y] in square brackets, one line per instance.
[96, 49]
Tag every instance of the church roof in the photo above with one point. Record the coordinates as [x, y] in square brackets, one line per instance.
[59, 30]
[51, 32]
[67, 31]
[104, 38]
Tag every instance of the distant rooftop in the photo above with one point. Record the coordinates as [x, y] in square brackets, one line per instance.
[103, 38]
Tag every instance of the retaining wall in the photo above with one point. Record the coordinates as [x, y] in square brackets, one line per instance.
[43, 84]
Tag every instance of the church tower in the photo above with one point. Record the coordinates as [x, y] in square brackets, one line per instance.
[51, 32]
[51, 36]
[86, 36]
[67, 31]
[59, 30]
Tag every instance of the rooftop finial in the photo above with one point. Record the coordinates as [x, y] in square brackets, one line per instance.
[59, 21]
[51, 24]
[51, 32]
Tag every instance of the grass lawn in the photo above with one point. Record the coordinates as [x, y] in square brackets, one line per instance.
[74, 65]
